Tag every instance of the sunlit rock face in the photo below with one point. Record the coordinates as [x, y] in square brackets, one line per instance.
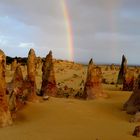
[18, 78]
[122, 71]
[5, 116]
[31, 72]
[16, 93]
[128, 82]
[38, 62]
[133, 104]
[14, 65]
[93, 86]
[48, 77]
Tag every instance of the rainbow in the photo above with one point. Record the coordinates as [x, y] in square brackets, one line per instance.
[68, 29]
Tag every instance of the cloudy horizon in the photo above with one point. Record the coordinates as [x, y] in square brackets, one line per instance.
[102, 30]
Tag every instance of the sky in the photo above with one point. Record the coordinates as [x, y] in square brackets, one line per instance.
[100, 29]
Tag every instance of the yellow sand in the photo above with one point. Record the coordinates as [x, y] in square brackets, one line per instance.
[71, 119]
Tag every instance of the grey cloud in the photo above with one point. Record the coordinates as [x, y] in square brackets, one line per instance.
[100, 27]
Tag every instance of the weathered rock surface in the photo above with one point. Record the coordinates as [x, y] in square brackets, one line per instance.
[136, 117]
[31, 72]
[122, 71]
[14, 65]
[93, 84]
[5, 115]
[128, 82]
[137, 131]
[133, 104]
[48, 77]
[38, 62]
[16, 95]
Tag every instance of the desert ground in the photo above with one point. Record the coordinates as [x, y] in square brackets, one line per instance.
[69, 118]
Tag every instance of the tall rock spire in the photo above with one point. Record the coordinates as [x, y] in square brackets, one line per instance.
[122, 71]
[31, 72]
[48, 77]
[93, 87]
[5, 117]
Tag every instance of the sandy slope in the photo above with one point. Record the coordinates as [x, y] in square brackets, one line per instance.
[71, 119]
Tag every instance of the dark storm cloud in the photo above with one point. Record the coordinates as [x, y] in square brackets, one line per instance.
[102, 29]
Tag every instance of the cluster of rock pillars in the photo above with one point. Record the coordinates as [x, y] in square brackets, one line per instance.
[20, 89]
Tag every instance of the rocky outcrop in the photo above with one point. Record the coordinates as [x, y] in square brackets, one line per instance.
[16, 93]
[137, 131]
[93, 86]
[14, 65]
[5, 115]
[136, 117]
[128, 82]
[38, 62]
[133, 104]
[18, 78]
[31, 72]
[122, 71]
[48, 87]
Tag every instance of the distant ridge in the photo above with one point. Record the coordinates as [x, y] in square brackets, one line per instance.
[23, 61]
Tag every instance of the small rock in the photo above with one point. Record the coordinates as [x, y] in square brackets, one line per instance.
[46, 97]
[137, 131]
[136, 117]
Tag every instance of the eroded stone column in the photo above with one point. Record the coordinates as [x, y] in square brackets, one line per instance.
[31, 72]
[93, 87]
[48, 77]
[5, 115]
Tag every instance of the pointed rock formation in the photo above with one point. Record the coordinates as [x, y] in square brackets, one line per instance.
[128, 82]
[14, 65]
[93, 87]
[48, 77]
[17, 80]
[16, 93]
[5, 116]
[31, 72]
[122, 71]
[133, 104]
